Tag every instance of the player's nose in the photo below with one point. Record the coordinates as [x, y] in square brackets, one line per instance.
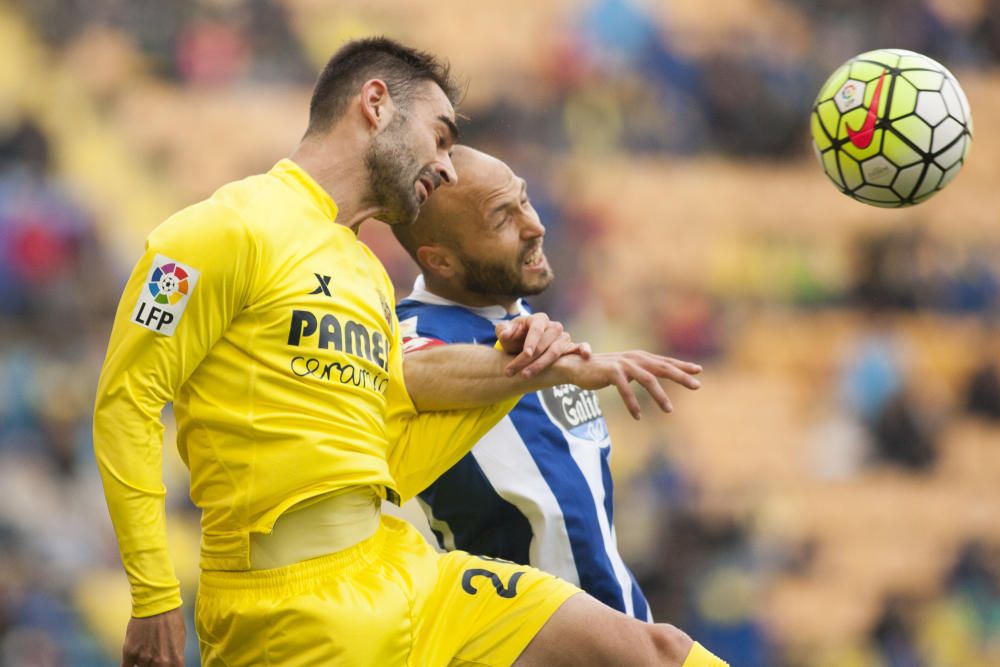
[445, 171]
[532, 226]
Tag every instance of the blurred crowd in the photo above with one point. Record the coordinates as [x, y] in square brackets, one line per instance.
[863, 358]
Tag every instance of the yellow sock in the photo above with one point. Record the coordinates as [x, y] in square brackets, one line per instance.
[700, 657]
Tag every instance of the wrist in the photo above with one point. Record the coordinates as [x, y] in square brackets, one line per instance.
[562, 371]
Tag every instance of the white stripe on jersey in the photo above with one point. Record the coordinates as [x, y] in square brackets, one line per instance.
[509, 467]
[583, 453]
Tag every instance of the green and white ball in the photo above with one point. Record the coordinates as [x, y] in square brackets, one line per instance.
[891, 127]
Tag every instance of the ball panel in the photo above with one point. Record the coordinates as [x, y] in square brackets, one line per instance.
[950, 174]
[952, 155]
[931, 108]
[945, 134]
[915, 130]
[907, 179]
[904, 97]
[875, 193]
[832, 170]
[924, 80]
[865, 71]
[917, 61]
[932, 178]
[849, 96]
[957, 107]
[850, 170]
[829, 117]
[878, 171]
[898, 151]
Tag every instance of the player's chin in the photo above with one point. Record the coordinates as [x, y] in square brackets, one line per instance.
[404, 214]
[536, 281]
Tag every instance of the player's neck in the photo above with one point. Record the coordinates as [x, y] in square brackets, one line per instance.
[342, 174]
[464, 297]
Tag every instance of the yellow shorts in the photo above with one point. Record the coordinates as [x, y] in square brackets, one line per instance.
[389, 600]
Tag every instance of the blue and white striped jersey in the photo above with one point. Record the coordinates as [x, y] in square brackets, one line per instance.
[537, 488]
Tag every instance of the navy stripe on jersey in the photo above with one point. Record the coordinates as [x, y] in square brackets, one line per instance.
[609, 487]
[491, 526]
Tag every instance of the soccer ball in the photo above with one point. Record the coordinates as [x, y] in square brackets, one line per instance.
[891, 128]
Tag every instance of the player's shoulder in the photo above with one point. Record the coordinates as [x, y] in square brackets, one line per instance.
[209, 221]
[435, 312]
[448, 323]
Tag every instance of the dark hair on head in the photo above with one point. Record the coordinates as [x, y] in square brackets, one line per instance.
[400, 67]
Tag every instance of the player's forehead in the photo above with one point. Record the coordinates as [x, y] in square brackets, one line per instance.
[500, 193]
[431, 101]
[484, 183]
[490, 181]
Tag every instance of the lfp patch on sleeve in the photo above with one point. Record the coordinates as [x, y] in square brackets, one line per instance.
[165, 295]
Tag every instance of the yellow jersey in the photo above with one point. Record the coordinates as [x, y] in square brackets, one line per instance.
[272, 329]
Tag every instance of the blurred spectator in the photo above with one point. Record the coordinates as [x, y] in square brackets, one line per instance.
[212, 52]
[982, 393]
[895, 633]
[902, 435]
[873, 373]
[840, 446]
[908, 269]
[987, 32]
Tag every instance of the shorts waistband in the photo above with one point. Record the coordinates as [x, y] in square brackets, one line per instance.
[317, 527]
[298, 575]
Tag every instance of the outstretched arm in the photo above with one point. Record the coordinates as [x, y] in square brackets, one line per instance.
[462, 376]
[536, 353]
[429, 442]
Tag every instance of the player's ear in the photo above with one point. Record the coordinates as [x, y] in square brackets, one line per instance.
[437, 260]
[376, 104]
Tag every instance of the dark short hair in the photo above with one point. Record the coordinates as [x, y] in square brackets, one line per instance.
[400, 67]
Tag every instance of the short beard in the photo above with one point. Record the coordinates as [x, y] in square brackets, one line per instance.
[392, 175]
[500, 280]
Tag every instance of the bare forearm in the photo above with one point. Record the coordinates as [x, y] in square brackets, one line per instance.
[457, 377]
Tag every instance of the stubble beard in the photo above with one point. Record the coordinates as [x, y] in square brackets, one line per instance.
[392, 175]
[501, 280]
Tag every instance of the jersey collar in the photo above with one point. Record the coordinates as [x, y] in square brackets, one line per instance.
[299, 180]
[493, 313]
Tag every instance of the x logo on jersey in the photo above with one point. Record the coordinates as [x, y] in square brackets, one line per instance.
[324, 285]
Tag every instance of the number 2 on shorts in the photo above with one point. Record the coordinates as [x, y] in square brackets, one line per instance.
[508, 591]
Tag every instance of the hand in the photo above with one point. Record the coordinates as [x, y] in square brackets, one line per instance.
[538, 342]
[155, 641]
[620, 368]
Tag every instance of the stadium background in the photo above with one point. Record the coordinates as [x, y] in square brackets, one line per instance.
[829, 498]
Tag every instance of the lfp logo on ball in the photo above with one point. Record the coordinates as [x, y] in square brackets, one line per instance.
[165, 295]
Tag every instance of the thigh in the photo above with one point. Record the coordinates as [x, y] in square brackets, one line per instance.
[584, 631]
[483, 611]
